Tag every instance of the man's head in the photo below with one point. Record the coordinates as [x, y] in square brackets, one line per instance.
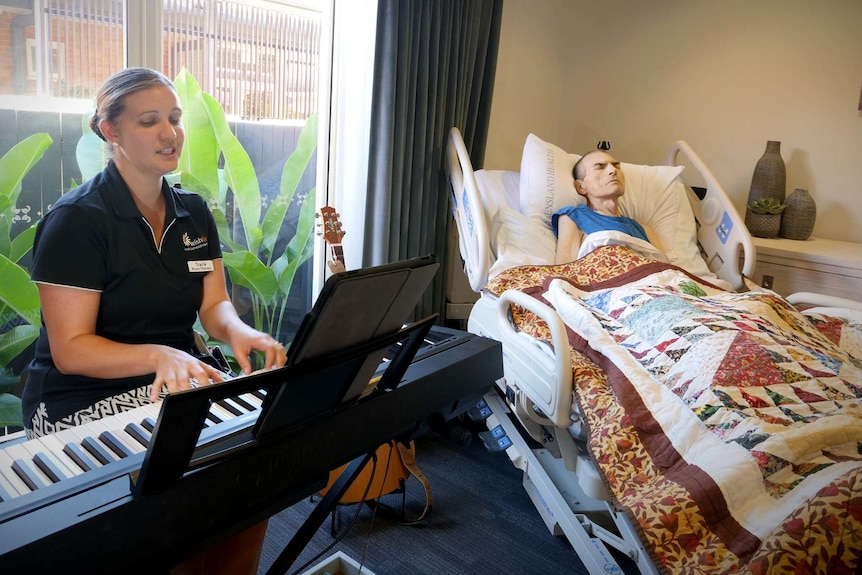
[598, 176]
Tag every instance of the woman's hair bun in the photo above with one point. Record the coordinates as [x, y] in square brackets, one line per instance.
[94, 125]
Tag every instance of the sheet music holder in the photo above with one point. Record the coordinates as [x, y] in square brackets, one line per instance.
[357, 318]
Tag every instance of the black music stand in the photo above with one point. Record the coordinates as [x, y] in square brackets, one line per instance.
[304, 392]
[338, 347]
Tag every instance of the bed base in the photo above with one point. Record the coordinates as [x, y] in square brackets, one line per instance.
[590, 525]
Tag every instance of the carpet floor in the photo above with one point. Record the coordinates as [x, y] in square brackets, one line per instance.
[482, 522]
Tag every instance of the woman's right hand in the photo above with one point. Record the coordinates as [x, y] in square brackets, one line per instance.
[175, 370]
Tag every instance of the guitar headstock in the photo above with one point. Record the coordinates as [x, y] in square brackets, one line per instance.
[332, 231]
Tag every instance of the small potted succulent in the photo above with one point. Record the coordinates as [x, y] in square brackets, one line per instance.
[763, 217]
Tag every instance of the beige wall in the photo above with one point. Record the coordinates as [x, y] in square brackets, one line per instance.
[725, 76]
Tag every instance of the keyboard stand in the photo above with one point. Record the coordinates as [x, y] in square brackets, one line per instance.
[318, 515]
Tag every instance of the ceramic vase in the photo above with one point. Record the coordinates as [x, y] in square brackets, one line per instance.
[797, 220]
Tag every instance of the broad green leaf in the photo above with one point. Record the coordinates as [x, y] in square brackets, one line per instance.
[15, 341]
[190, 182]
[19, 160]
[224, 232]
[201, 150]
[248, 271]
[239, 174]
[6, 232]
[18, 292]
[91, 151]
[8, 380]
[300, 247]
[22, 244]
[294, 168]
[10, 410]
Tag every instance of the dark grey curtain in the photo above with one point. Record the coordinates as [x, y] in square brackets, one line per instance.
[434, 69]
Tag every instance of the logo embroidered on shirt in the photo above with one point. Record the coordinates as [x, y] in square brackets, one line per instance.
[194, 244]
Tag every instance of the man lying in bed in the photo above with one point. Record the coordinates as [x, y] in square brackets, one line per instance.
[599, 179]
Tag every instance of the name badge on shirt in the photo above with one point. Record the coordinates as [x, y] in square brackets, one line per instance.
[201, 266]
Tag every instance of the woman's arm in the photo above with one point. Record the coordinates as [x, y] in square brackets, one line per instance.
[220, 320]
[568, 240]
[70, 319]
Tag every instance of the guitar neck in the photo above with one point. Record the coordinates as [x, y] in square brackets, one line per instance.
[337, 252]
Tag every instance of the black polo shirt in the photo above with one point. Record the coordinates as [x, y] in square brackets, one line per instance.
[95, 238]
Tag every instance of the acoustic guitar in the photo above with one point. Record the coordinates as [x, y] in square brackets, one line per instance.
[394, 462]
[333, 234]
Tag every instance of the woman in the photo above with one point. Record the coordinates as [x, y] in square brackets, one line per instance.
[601, 181]
[124, 263]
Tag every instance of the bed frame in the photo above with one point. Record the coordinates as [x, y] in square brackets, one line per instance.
[532, 405]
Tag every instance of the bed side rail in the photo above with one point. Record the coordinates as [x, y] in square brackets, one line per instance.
[549, 383]
[468, 211]
[721, 232]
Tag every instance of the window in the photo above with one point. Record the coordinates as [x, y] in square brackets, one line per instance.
[260, 59]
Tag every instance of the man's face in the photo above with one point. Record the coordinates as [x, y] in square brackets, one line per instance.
[603, 178]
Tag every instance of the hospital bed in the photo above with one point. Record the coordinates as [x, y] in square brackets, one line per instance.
[622, 452]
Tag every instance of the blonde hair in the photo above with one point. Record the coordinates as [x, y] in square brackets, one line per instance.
[111, 98]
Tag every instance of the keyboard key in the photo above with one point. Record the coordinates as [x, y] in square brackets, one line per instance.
[139, 434]
[229, 407]
[244, 403]
[115, 444]
[10, 477]
[52, 450]
[97, 450]
[83, 460]
[22, 465]
[7, 492]
[50, 467]
[28, 473]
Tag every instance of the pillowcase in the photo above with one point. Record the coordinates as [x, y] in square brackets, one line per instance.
[546, 183]
[519, 240]
[653, 197]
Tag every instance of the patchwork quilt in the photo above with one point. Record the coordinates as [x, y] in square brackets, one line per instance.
[728, 425]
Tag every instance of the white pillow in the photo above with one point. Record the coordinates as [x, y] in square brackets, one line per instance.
[546, 183]
[653, 197]
[519, 240]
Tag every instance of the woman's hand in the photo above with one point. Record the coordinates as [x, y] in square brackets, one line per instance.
[248, 340]
[175, 370]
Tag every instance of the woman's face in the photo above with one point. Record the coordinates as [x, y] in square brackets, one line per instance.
[149, 136]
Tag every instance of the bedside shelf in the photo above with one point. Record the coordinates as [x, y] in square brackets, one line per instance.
[813, 265]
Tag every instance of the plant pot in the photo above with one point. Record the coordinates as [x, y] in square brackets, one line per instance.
[763, 225]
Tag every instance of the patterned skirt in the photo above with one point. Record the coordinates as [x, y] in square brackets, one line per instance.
[40, 424]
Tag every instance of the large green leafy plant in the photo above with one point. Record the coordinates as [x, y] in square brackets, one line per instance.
[215, 165]
[19, 299]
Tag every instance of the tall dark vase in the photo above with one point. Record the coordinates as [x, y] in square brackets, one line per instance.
[770, 177]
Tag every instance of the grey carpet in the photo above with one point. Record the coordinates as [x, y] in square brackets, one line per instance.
[482, 522]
